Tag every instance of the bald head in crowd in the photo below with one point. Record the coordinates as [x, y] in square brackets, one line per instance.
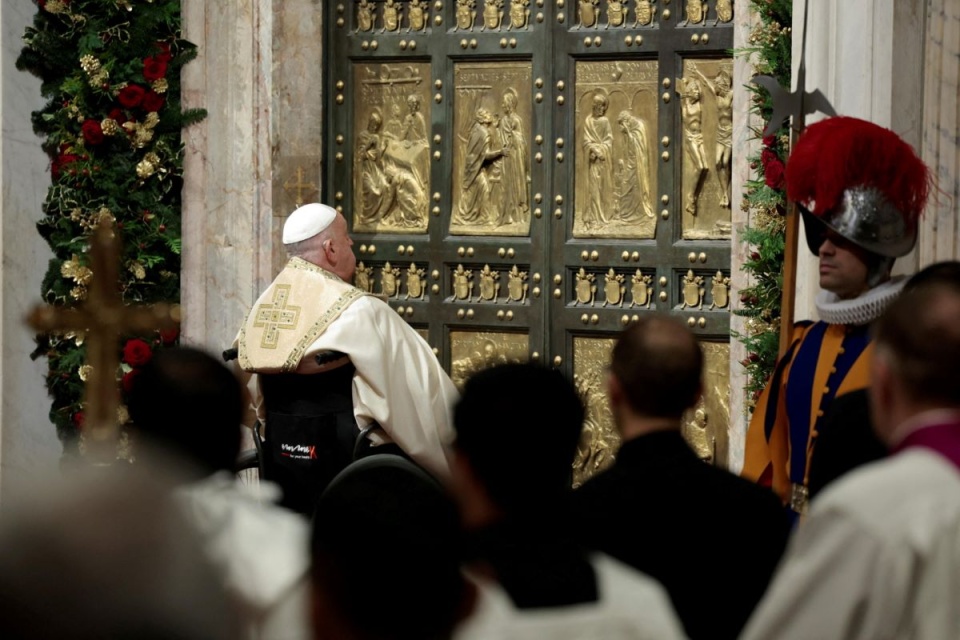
[655, 372]
[917, 351]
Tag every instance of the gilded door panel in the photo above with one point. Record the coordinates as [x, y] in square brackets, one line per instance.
[706, 114]
[473, 351]
[599, 441]
[491, 167]
[616, 149]
[391, 167]
[706, 426]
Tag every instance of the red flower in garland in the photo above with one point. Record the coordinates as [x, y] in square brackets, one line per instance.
[127, 381]
[117, 116]
[767, 156]
[56, 167]
[92, 132]
[131, 96]
[169, 336]
[137, 353]
[773, 174]
[153, 101]
[78, 419]
[154, 68]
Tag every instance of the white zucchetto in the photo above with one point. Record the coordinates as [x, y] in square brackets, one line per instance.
[307, 221]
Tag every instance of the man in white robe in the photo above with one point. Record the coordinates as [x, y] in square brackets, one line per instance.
[511, 477]
[391, 375]
[187, 407]
[879, 555]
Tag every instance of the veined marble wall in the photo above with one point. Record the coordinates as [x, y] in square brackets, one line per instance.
[939, 234]
[742, 121]
[259, 76]
[29, 447]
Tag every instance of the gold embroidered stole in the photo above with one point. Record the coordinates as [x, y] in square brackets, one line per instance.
[290, 315]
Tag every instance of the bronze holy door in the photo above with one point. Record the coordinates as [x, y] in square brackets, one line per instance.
[525, 177]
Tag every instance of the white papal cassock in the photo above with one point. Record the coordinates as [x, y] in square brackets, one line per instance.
[399, 382]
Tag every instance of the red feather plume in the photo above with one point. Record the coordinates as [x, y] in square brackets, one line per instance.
[836, 154]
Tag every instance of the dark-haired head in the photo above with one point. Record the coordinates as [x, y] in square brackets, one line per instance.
[518, 426]
[188, 402]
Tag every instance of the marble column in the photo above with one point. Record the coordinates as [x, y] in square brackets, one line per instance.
[259, 76]
[939, 239]
[29, 448]
[745, 146]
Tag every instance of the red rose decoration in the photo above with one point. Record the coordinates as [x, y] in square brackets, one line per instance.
[769, 140]
[773, 174]
[117, 115]
[169, 336]
[137, 353]
[62, 160]
[767, 156]
[78, 419]
[154, 68]
[127, 381]
[153, 101]
[131, 96]
[92, 132]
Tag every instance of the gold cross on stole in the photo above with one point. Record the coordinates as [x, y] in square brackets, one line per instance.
[275, 316]
[103, 318]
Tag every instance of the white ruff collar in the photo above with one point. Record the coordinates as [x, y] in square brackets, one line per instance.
[860, 310]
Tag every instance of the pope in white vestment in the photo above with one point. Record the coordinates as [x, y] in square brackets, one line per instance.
[311, 309]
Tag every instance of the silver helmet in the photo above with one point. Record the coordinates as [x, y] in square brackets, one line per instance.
[865, 217]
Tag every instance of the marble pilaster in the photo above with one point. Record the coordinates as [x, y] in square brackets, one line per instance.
[259, 76]
[745, 146]
[29, 448]
[939, 239]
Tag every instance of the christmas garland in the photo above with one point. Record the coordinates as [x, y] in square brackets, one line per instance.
[110, 72]
[765, 200]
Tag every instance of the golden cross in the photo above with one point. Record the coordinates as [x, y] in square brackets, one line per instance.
[276, 316]
[104, 318]
[300, 187]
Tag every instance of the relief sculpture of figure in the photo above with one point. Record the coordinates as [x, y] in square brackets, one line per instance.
[414, 125]
[475, 206]
[409, 197]
[692, 119]
[516, 168]
[393, 128]
[598, 146]
[376, 194]
[634, 198]
[722, 89]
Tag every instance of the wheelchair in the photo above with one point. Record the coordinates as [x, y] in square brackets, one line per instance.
[260, 462]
